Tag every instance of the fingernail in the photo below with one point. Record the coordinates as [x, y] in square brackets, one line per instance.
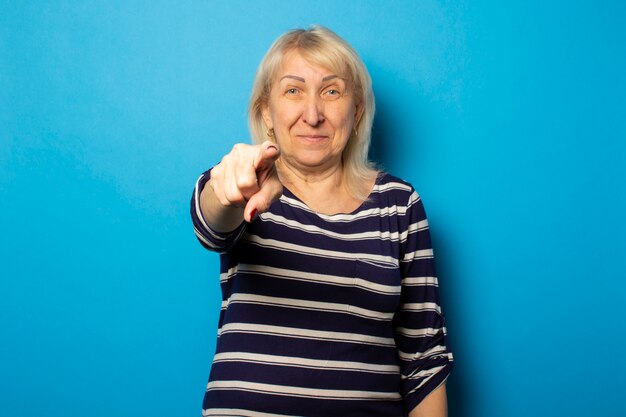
[272, 147]
[253, 214]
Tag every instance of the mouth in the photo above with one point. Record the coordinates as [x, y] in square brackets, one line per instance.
[313, 138]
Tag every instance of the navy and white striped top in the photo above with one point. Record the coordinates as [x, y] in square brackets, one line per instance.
[327, 315]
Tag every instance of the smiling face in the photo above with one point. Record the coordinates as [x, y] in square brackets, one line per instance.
[312, 112]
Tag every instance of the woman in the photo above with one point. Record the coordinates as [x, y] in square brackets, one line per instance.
[330, 301]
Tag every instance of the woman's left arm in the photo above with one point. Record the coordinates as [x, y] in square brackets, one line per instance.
[434, 405]
[419, 325]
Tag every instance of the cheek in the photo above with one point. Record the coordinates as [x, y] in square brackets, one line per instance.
[284, 116]
[345, 124]
[344, 115]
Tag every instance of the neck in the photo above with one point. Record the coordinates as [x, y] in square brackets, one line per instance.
[311, 180]
[322, 191]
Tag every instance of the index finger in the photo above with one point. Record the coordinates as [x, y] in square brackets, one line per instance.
[268, 154]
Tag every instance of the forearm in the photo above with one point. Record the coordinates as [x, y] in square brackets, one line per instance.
[434, 405]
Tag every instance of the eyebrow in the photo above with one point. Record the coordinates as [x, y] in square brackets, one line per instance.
[327, 78]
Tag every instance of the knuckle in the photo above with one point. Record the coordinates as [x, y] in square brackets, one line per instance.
[246, 181]
[226, 160]
[233, 196]
[218, 170]
[239, 148]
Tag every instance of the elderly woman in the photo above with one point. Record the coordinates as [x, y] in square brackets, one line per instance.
[330, 301]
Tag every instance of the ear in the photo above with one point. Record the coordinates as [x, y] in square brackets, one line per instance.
[267, 118]
[358, 113]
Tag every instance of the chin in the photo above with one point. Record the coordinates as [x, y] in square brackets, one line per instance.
[312, 158]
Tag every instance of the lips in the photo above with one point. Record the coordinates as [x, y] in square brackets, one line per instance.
[313, 138]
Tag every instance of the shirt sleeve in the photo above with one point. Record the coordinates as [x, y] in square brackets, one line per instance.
[419, 325]
[208, 237]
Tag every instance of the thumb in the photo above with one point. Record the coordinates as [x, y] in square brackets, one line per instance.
[260, 202]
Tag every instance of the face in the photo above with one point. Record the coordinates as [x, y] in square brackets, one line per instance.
[312, 112]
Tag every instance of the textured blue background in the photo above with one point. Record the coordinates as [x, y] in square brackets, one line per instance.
[510, 120]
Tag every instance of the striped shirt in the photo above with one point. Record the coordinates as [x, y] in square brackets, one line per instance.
[327, 315]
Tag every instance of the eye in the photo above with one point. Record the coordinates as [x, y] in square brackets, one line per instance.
[292, 91]
[332, 93]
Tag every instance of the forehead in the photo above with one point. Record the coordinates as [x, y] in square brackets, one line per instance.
[296, 64]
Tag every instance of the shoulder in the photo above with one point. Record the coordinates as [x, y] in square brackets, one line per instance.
[390, 187]
[385, 178]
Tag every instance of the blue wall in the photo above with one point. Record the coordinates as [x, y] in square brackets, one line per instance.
[510, 120]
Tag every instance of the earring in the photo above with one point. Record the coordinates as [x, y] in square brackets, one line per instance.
[270, 132]
[356, 134]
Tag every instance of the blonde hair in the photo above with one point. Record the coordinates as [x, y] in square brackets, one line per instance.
[321, 46]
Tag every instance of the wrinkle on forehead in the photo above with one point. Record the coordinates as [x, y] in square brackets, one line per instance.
[338, 69]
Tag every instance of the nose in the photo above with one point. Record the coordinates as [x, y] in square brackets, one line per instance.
[313, 112]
